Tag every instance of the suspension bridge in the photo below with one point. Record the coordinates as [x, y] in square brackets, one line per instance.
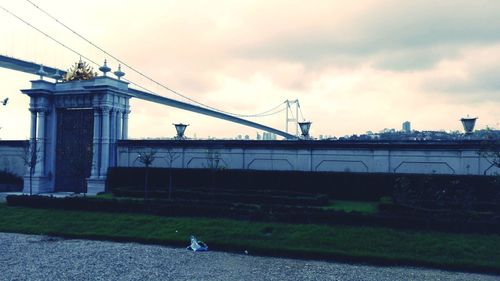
[79, 129]
[79, 117]
[141, 92]
[51, 72]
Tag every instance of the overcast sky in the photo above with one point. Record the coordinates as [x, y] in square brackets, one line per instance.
[354, 67]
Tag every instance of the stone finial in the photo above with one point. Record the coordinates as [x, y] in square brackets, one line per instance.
[105, 68]
[119, 73]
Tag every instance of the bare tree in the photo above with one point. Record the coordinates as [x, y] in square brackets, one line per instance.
[490, 151]
[146, 158]
[30, 159]
[171, 156]
[492, 157]
[212, 159]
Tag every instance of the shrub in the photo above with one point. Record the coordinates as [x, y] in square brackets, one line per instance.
[10, 182]
[446, 192]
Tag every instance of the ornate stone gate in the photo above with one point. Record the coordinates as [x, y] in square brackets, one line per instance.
[73, 148]
[75, 125]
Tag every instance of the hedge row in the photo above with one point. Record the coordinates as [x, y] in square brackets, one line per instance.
[472, 206]
[224, 195]
[347, 186]
[279, 213]
[157, 207]
[492, 215]
[342, 186]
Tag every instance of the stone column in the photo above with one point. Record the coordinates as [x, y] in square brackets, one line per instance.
[119, 116]
[125, 125]
[32, 144]
[112, 125]
[105, 142]
[33, 125]
[118, 135]
[112, 137]
[96, 142]
[40, 165]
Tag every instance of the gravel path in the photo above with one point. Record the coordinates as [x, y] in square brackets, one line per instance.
[31, 257]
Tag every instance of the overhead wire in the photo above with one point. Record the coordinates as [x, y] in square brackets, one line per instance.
[66, 46]
[47, 35]
[262, 114]
[144, 75]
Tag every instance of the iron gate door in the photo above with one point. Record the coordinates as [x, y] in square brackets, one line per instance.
[73, 149]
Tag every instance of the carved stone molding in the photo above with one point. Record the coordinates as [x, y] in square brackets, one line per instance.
[73, 101]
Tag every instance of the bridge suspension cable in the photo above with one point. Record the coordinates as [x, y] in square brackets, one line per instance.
[48, 36]
[64, 45]
[262, 114]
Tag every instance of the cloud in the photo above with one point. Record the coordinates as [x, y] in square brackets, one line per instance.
[414, 59]
[357, 66]
[399, 34]
[482, 85]
[472, 76]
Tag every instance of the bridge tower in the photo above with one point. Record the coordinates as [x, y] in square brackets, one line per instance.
[75, 125]
[295, 117]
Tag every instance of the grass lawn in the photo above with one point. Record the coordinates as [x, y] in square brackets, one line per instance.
[366, 207]
[348, 243]
[353, 206]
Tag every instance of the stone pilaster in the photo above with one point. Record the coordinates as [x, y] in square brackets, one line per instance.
[41, 138]
[112, 125]
[105, 141]
[112, 137]
[119, 129]
[96, 141]
[125, 125]
[32, 144]
[33, 125]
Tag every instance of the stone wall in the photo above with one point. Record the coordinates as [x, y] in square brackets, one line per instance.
[11, 157]
[336, 156]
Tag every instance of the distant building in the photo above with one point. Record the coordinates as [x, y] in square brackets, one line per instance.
[407, 127]
[268, 136]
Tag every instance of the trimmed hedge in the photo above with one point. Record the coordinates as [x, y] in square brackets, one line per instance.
[228, 195]
[278, 213]
[158, 207]
[341, 186]
[346, 186]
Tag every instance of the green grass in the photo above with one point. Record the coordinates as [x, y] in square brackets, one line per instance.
[353, 206]
[365, 244]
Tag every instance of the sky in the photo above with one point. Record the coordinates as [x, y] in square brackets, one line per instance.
[354, 66]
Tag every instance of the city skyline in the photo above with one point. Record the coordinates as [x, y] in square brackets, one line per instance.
[354, 68]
